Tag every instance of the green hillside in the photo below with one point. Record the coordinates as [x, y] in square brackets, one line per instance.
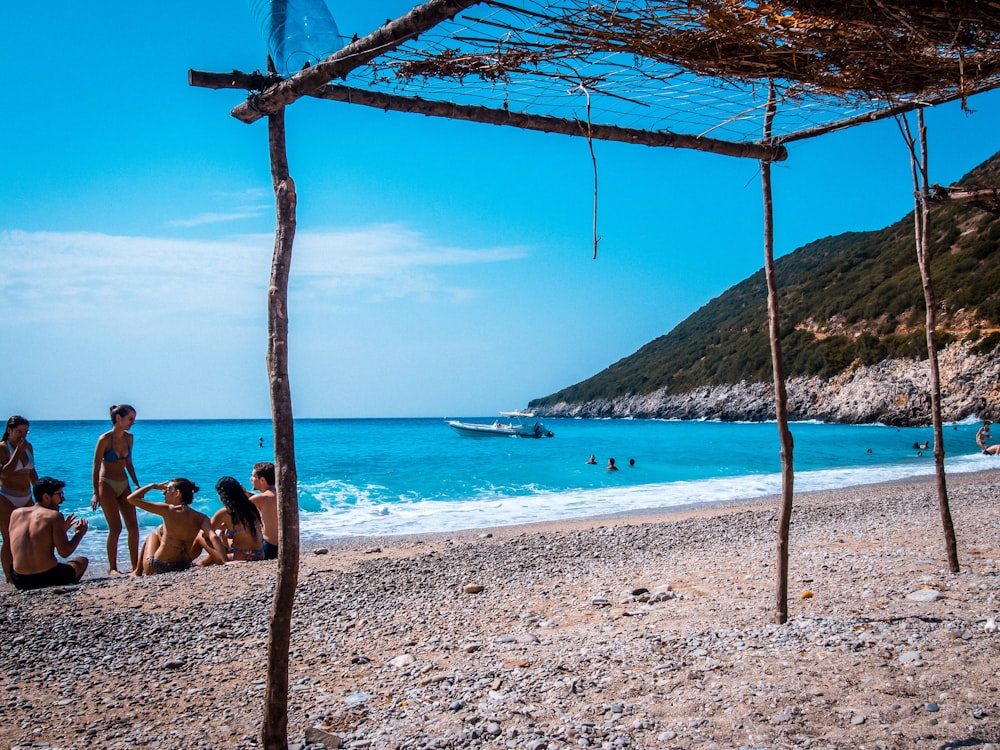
[852, 298]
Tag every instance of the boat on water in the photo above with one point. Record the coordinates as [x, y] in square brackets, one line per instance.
[516, 424]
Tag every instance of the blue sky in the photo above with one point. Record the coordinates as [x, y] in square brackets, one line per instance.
[440, 268]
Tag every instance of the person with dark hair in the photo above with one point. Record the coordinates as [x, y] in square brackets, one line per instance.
[611, 465]
[112, 469]
[266, 500]
[17, 475]
[175, 544]
[37, 532]
[238, 523]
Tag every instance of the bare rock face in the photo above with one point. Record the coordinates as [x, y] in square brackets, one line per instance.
[895, 392]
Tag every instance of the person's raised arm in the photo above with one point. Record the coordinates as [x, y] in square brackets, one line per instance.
[211, 543]
[64, 546]
[137, 499]
[13, 456]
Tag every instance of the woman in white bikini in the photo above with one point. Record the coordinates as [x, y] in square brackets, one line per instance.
[17, 477]
[112, 469]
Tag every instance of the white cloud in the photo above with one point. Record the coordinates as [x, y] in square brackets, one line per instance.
[216, 218]
[58, 276]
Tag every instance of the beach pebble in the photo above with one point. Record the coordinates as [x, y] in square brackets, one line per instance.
[403, 660]
[473, 588]
[924, 595]
[541, 663]
[910, 657]
[321, 551]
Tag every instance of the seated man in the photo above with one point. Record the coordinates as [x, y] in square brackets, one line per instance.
[38, 532]
[266, 500]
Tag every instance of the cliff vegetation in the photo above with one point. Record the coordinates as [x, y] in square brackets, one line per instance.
[854, 347]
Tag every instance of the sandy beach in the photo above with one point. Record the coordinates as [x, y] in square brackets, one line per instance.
[646, 631]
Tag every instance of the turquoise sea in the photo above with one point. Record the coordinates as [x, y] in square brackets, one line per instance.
[401, 476]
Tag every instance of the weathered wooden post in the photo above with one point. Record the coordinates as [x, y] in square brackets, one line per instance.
[274, 730]
[921, 221]
[780, 393]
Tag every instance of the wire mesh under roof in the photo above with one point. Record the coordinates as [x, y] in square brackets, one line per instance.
[700, 67]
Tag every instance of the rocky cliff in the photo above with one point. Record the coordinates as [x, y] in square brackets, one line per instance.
[894, 391]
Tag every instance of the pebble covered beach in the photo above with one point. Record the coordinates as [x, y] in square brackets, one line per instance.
[645, 631]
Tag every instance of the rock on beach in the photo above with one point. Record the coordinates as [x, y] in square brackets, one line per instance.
[652, 631]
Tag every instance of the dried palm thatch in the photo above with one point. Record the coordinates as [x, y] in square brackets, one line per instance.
[687, 73]
[853, 49]
[701, 65]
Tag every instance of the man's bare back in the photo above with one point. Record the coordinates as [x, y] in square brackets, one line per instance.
[266, 500]
[38, 532]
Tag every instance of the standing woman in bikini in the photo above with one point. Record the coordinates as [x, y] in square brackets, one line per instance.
[112, 469]
[17, 476]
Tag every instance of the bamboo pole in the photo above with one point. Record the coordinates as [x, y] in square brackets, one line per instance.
[354, 55]
[780, 393]
[921, 222]
[274, 730]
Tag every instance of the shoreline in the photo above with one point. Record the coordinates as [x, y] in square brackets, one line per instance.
[648, 630]
[643, 516]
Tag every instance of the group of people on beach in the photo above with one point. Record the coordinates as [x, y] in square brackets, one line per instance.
[33, 529]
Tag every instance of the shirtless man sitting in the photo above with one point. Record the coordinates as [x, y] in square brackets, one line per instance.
[266, 500]
[38, 532]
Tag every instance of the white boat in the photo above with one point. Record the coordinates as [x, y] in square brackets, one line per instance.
[514, 426]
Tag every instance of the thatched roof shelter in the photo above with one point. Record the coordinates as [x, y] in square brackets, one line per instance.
[687, 74]
[736, 77]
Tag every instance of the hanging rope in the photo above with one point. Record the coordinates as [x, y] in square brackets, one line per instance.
[593, 159]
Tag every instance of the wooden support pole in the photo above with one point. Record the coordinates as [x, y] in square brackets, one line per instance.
[274, 730]
[354, 55]
[921, 223]
[780, 392]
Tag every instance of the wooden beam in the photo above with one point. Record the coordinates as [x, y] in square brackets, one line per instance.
[547, 124]
[470, 113]
[890, 111]
[354, 55]
[988, 197]
[234, 80]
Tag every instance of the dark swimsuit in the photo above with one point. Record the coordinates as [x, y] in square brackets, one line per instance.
[61, 575]
[168, 567]
[270, 551]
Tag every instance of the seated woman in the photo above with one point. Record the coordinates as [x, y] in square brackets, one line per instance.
[175, 544]
[238, 523]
